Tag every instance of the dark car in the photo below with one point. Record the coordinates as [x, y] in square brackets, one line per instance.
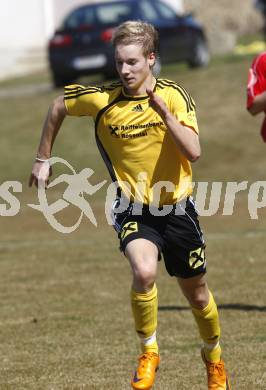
[83, 45]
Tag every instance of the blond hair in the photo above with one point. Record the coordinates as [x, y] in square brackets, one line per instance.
[139, 33]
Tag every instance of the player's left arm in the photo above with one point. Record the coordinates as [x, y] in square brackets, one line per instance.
[185, 138]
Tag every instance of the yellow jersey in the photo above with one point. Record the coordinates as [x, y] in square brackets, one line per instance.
[134, 142]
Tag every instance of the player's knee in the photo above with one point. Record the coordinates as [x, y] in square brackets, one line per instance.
[144, 278]
[199, 302]
[198, 299]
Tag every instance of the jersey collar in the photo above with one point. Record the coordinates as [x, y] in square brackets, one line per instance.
[138, 97]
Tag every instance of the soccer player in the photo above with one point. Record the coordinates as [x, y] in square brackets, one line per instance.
[146, 131]
[256, 90]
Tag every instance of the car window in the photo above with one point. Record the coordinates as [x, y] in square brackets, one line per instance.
[113, 13]
[148, 12]
[102, 14]
[81, 17]
[166, 12]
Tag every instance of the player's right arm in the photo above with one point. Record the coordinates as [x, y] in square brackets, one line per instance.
[54, 119]
[77, 101]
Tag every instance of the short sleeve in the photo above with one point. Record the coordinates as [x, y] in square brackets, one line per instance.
[256, 79]
[83, 101]
[184, 108]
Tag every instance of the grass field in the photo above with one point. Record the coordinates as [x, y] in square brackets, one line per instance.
[65, 320]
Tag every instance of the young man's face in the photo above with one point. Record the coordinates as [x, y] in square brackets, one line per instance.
[133, 66]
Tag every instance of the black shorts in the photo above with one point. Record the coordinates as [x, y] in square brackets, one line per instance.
[177, 236]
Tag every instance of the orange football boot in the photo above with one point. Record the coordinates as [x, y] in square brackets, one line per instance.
[144, 377]
[217, 376]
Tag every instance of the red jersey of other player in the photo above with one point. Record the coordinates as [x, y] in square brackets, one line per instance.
[256, 89]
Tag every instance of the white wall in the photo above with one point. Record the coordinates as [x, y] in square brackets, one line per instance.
[22, 23]
[23, 36]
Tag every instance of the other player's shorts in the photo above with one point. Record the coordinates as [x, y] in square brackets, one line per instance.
[177, 236]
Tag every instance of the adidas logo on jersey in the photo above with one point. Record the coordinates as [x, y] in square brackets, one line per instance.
[138, 108]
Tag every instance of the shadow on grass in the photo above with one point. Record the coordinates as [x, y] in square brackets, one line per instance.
[228, 306]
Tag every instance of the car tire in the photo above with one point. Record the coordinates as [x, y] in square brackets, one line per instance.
[200, 54]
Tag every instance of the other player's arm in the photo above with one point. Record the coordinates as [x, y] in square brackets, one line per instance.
[185, 138]
[54, 119]
[258, 105]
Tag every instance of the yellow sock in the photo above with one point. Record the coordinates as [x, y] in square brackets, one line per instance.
[208, 323]
[212, 352]
[145, 309]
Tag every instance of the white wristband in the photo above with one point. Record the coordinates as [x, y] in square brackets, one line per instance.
[42, 160]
